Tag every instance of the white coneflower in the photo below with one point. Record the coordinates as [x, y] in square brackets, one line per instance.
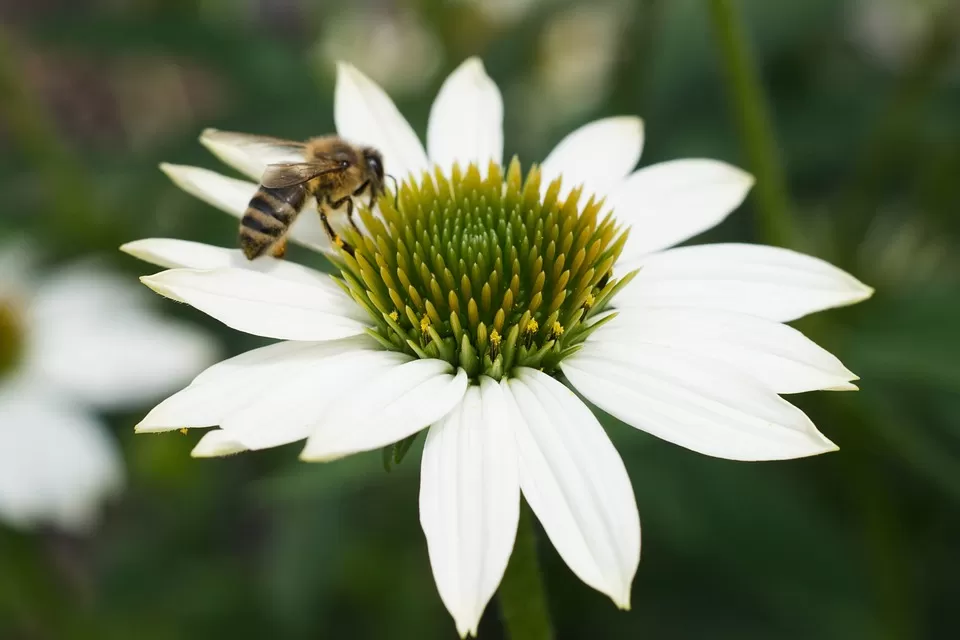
[479, 298]
[70, 343]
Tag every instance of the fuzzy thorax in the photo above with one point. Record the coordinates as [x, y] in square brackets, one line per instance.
[483, 272]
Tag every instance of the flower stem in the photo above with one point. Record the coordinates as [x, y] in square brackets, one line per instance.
[522, 596]
[775, 224]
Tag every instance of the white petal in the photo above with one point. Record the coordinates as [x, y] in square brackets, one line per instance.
[217, 444]
[57, 465]
[696, 403]
[576, 484]
[775, 355]
[386, 409]
[295, 403]
[261, 305]
[466, 120]
[366, 115]
[273, 395]
[774, 283]
[94, 339]
[598, 155]
[248, 154]
[184, 254]
[233, 196]
[667, 203]
[470, 502]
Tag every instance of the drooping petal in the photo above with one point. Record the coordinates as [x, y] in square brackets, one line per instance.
[774, 354]
[598, 155]
[233, 196]
[250, 154]
[667, 203]
[470, 502]
[272, 395]
[94, 338]
[261, 305]
[696, 403]
[576, 484]
[365, 115]
[57, 465]
[387, 408]
[770, 282]
[466, 120]
[217, 444]
[170, 253]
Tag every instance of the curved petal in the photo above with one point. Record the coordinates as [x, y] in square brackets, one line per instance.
[598, 155]
[366, 115]
[57, 465]
[233, 196]
[170, 253]
[667, 203]
[576, 484]
[272, 395]
[470, 502]
[249, 154]
[777, 356]
[261, 305]
[387, 408]
[696, 403]
[466, 120]
[217, 444]
[111, 351]
[777, 284]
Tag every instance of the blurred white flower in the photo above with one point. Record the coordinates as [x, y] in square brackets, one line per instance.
[893, 31]
[72, 343]
[480, 325]
[393, 47]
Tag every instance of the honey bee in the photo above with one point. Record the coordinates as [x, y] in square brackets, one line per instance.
[328, 168]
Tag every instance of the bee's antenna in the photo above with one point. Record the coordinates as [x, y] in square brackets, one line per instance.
[396, 190]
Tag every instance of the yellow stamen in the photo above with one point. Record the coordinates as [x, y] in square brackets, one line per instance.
[532, 327]
[556, 330]
[588, 303]
[424, 324]
[394, 316]
[184, 431]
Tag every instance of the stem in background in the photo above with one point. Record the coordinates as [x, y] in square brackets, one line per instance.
[775, 223]
[522, 596]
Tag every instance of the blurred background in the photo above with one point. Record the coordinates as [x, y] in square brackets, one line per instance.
[864, 99]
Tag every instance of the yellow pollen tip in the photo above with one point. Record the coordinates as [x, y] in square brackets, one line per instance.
[588, 303]
[532, 327]
[556, 330]
[494, 338]
[424, 324]
[394, 316]
[184, 431]
[337, 240]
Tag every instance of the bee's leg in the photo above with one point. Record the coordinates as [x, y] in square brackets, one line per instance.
[279, 249]
[333, 235]
[346, 200]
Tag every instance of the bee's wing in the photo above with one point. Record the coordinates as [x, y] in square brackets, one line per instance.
[265, 148]
[278, 176]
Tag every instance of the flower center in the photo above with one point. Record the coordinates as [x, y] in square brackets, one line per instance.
[11, 337]
[483, 272]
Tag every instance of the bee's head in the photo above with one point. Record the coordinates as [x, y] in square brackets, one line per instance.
[374, 162]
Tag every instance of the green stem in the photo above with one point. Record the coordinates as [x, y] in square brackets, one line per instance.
[522, 596]
[775, 224]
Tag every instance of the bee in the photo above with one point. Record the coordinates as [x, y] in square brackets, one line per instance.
[327, 168]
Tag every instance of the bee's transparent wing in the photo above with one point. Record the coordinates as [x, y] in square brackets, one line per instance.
[278, 176]
[253, 149]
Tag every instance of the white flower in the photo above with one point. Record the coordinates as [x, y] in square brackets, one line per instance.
[697, 354]
[79, 340]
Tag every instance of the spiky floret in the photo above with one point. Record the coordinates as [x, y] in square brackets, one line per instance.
[483, 272]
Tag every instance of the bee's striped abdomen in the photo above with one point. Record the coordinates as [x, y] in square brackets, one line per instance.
[268, 218]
